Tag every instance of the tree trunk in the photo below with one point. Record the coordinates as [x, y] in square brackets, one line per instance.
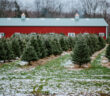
[4, 61]
[30, 63]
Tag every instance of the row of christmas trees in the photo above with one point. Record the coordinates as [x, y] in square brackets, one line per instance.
[34, 47]
[84, 48]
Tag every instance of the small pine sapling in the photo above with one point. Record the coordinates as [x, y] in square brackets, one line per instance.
[108, 52]
[3, 50]
[63, 44]
[29, 54]
[16, 47]
[102, 42]
[80, 53]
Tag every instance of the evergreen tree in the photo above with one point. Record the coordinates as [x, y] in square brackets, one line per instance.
[80, 54]
[29, 54]
[57, 50]
[108, 52]
[101, 42]
[71, 42]
[16, 47]
[42, 48]
[90, 44]
[108, 40]
[49, 48]
[3, 51]
[35, 43]
[64, 44]
[22, 44]
[10, 54]
[95, 42]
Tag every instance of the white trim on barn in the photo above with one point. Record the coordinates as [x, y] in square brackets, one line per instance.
[71, 34]
[106, 32]
[102, 34]
[2, 34]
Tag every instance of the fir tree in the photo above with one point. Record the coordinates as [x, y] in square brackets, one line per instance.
[101, 42]
[3, 51]
[42, 48]
[71, 42]
[80, 54]
[16, 47]
[108, 52]
[22, 44]
[64, 44]
[57, 50]
[48, 44]
[29, 54]
[10, 54]
[35, 43]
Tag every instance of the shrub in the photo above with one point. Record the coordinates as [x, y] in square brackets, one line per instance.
[64, 44]
[108, 40]
[80, 53]
[16, 47]
[56, 47]
[108, 52]
[102, 42]
[29, 54]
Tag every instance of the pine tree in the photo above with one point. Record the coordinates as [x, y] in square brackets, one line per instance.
[3, 51]
[9, 53]
[90, 44]
[108, 52]
[48, 44]
[80, 54]
[71, 42]
[29, 54]
[42, 48]
[57, 50]
[22, 44]
[35, 43]
[16, 47]
[64, 44]
[101, 42]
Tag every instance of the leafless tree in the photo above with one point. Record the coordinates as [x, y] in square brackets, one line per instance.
[5, 6]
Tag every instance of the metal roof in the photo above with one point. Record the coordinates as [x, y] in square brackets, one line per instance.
[52, 22]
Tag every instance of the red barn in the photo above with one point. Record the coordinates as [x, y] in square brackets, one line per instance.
[68, 26]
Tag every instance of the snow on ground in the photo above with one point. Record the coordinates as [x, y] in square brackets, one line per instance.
[18, 82]
[22, 63]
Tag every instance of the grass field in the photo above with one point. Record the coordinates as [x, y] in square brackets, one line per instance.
[54, 78]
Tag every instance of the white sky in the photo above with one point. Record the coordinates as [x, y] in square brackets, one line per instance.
[30, 3]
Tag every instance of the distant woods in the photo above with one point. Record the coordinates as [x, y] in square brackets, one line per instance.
[54, 8]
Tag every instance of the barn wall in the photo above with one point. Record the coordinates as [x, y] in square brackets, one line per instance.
[11, 30]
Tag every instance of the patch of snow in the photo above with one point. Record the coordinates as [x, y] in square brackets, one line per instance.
[105, 61]
[65, 53]
[17, 58]
[22, 63]
[1, 61]
[68, 63]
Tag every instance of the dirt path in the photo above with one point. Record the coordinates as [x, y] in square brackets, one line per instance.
[45, 60]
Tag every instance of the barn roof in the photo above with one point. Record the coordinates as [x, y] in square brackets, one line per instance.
[52, 22]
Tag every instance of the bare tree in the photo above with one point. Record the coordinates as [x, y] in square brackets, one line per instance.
[5, 6]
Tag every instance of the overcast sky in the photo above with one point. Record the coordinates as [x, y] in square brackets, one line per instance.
[30, 3]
